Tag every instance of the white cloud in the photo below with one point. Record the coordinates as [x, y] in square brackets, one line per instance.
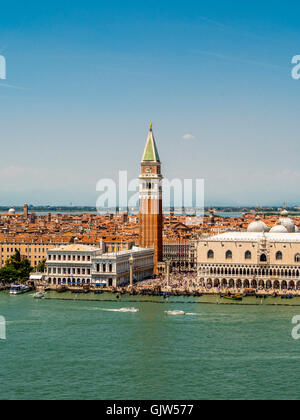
[188, 137]
[18, 178]
[15, 172]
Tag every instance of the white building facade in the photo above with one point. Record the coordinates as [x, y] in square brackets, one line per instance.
[114, 269]
[70, 264]
[79, 265]
[250, 260]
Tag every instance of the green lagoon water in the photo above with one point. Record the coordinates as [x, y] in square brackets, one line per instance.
[57, 349]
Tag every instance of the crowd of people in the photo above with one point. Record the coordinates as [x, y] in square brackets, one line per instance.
[177, 281]
[188, 282]
[4, 285]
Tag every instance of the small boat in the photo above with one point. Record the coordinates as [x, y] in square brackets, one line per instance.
[175, 312]
[129, 310]
[98, 292]
[61, 289]
[233, 297]
[39, 295]
[249, 292]
[19, 289]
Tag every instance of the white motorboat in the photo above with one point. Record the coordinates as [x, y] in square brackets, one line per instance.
[19, 289]
[128, 310]
[175, 312]
[39, 295]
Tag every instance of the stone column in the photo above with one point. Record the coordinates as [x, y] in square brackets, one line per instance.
[131, 270]
[168, 272]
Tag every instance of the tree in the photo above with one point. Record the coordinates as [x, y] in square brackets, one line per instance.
[14, 261]
[41, 266]
[16, 269]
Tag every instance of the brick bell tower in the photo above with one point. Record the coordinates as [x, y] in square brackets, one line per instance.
[150, 200]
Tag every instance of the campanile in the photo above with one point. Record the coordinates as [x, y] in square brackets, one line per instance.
[150, 200]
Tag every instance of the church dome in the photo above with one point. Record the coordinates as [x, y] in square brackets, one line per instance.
[257, 226]
[287, 222]
[279, 228]
[11, 211]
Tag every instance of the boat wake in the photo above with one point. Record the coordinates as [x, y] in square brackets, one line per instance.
[175, 312]
[117, 310]
[193, 314]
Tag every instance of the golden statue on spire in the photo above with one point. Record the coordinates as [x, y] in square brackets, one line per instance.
[151, 126]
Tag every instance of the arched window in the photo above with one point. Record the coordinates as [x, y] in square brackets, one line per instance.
[228, 255]
[279, 256]
[210, 254]
[263, 258]
[297, 258]
[247, 255]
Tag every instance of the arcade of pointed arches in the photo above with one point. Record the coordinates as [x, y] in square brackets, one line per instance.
[254, 283]
[221, 275]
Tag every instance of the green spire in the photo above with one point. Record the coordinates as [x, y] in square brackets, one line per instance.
[150, 152]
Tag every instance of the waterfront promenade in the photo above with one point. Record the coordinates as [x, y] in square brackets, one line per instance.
[179, 284]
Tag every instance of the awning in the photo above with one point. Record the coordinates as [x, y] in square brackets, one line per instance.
[36, 277]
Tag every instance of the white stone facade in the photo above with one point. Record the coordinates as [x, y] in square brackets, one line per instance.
[70, 264]
[78, 265]
[114, 269]
[250, 259]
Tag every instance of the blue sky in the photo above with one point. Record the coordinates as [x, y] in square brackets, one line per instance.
[84, 79]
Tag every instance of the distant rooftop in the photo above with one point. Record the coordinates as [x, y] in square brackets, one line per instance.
[75, 247]
[134, 250]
